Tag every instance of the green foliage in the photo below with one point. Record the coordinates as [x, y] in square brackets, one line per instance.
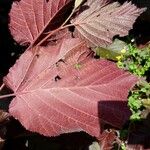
[123, 146]
[135, 104]
[137, 61]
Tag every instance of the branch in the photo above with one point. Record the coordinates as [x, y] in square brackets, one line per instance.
[7, 95]
[53, 32]
[2, 86]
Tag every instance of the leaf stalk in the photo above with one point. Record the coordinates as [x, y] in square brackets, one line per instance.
[53, 32]
[2, 86]
[7, 95]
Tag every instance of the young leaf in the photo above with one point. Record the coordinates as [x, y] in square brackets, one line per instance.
[53, 96]
[112, 51]
[101, 21]
[30, 19]
[77, 3]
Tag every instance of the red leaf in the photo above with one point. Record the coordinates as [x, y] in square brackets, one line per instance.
[58, 90]
[29, 19]
[107, 140]
[101, 21]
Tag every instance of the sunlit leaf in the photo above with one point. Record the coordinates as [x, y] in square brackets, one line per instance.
[30, 20]
[100, 21]
[53, 96]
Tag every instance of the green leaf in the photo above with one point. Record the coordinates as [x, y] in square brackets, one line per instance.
[134, 103]
[135, 116]
[112, 51]
[106, 53]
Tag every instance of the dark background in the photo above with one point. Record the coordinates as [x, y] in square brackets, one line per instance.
[10, 51]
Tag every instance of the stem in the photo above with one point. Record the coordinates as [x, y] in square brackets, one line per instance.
[63, 26]
[7, 95]
[54, 31]
[69, 17]
[2, 86]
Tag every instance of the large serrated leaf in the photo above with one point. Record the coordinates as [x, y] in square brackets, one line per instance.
[30, 20]
[100, 21]
[54, 96]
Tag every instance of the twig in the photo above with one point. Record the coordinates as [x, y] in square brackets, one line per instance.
[63, 26]
[53, 32]
[7, 95]
[68, 17]
[2, 86]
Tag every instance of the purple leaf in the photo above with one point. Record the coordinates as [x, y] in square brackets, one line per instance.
[101, 21]
[59, 88]
[30, 19]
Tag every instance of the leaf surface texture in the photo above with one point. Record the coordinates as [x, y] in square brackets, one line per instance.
[63, 89]
[29, 19]
[100, 21]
